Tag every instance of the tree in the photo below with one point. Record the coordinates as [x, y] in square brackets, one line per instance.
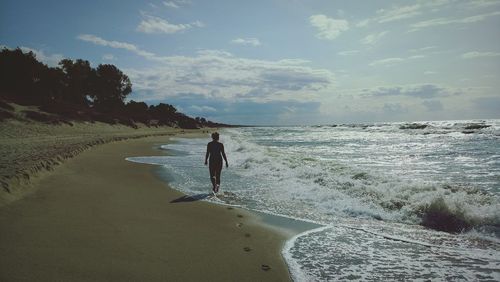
[165, 113]
[186, 122]
[111, 88]
[19, 74]
[51, 85]
[138, 111]
[78, 81]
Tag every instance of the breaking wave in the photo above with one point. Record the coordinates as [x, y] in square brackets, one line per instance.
[340, 189]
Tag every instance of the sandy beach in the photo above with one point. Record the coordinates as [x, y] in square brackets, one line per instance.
[98, 217]
[28, 150]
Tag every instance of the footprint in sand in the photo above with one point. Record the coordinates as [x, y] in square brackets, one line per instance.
[230, 208]
[239, 215]
[247, 235]
[239, 224]
[265, 267]
[247, 249]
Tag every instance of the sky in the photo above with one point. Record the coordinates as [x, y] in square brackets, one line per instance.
[281, 62]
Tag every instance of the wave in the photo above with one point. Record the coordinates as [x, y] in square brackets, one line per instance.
[439, 128]
[413, 126]
[443, 216]
[428, 127]
[332, 188]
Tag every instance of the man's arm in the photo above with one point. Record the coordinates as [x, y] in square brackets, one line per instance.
[224, 155]
[206, 156]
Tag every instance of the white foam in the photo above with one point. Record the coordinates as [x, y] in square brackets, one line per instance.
[339, 253]
[293, 265]
[147, 160]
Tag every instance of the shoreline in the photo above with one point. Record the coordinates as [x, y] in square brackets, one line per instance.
[291, 228]
[288, 225]
[117, 221]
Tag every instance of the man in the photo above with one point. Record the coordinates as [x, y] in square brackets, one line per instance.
[215, 151]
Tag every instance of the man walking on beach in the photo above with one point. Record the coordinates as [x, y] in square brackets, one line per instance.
[215, 150]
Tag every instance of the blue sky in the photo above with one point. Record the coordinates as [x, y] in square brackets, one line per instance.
[281, 62]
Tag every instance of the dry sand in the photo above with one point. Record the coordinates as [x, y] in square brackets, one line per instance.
[99, 217]
[30, 149]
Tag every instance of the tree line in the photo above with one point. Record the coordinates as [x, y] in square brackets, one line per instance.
[77, 91]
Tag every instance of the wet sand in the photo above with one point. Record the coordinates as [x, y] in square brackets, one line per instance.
[98, 217]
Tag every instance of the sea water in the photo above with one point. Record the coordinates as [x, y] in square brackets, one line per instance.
[396, 201]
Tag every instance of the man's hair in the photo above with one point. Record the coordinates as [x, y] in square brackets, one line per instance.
[215, 136]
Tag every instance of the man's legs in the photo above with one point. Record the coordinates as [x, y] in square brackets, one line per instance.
[217, 178]
[212, 176]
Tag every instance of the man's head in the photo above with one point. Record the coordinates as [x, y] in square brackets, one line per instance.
[215, 136]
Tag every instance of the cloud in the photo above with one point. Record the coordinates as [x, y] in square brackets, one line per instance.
[398, 13]
[422, 49]
[373, 38]
[221, 75]
[171, 4]
[386, 62]
[394, 108]
[432, 105]
[115, 44]
[246, 41]
[481, 3]
[423, 91]
[328, 28]
[393, 61]
[176, 4]
[108, 57]
[447, 21]
[363, 23]
[51, 60]
[488, 106]
[348, 53]
[201, 109]
[416, 57]
[152, 24]
[475, 54]
[286, 112]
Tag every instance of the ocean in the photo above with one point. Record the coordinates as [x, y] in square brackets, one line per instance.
[395, 201]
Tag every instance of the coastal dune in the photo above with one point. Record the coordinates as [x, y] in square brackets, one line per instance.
[98, 217]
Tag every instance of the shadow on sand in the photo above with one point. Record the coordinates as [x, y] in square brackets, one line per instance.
[192, 198]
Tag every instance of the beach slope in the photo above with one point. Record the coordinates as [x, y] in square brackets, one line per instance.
[98, 217]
